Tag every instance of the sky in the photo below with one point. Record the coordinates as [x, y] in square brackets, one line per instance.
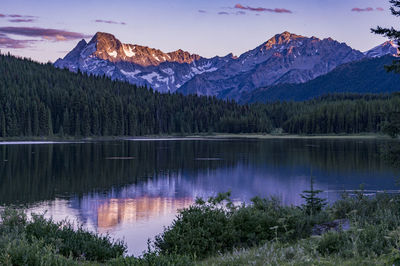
[45, 30]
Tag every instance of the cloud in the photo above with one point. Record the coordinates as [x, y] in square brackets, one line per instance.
[240, 13]
[223, 13]
[367, 9]
[202, 11]
[262, 9]
[6, 42]
[16, 16]
[19, 20]
[48, 34]
[109, 22]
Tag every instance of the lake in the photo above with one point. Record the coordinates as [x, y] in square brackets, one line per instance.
[132, 188]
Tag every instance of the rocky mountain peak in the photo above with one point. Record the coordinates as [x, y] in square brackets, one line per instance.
[285, 58]
[181, 56]
[101, 36]
[107, 46]
[386, 48]
[281, 39]
[82, 43]
[75, 53]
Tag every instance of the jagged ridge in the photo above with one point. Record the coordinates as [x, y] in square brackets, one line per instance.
[284, 58]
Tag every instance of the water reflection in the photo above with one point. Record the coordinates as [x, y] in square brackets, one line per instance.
[116, 211]
[134, 188]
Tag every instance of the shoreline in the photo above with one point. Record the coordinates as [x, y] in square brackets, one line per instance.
[198, 136]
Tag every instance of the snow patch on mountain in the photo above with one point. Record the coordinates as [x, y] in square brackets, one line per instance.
[131, 74]
[151, 76]
[168, 71]
[113, 54]
[128, 51]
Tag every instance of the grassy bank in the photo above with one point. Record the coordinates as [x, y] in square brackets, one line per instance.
[216, 232]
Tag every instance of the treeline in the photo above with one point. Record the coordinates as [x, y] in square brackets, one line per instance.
[40, 100]
[335, 114]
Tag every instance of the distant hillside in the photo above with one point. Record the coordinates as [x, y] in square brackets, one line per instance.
[365, 76]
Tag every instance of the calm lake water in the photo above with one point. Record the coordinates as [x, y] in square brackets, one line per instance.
[133, 188]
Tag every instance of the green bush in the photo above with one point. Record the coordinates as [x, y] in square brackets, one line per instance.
[203, 228]
[37, 252]
[333, 243]
[77, 243]
[41, 241]
[218, 226]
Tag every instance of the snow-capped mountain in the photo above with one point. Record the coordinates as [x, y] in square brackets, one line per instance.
[285, 58]
[386, 48]
[106, 55]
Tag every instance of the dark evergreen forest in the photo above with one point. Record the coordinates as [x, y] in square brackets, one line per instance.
[40, 100]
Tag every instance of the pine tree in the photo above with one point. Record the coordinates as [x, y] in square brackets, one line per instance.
[66, 122]
[77, 125]
[50, 123]
[392, 34]
[2, 124]
[35, 120]
[314, 204]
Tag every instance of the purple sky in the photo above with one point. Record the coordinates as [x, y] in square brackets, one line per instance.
[45, 30]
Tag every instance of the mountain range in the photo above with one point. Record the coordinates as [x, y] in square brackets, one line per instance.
[285, 58]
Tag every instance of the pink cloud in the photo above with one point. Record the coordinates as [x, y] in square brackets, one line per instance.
[19, 20]
[263, 9]
[367, 9]
[109, 22]
[48, 34]
[6, 42]
[19, 16]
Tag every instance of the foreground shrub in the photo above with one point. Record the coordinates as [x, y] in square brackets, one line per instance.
[41, 241]
[203, 228]
[333, 243]
[36, 252]
[77, 243]
[206, 228]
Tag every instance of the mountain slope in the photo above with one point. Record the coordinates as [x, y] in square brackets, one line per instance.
[365, 76]
[141, 65]
[386, 48]
[285, 58]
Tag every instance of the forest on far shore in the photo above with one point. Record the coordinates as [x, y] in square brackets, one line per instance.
[40, 100]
